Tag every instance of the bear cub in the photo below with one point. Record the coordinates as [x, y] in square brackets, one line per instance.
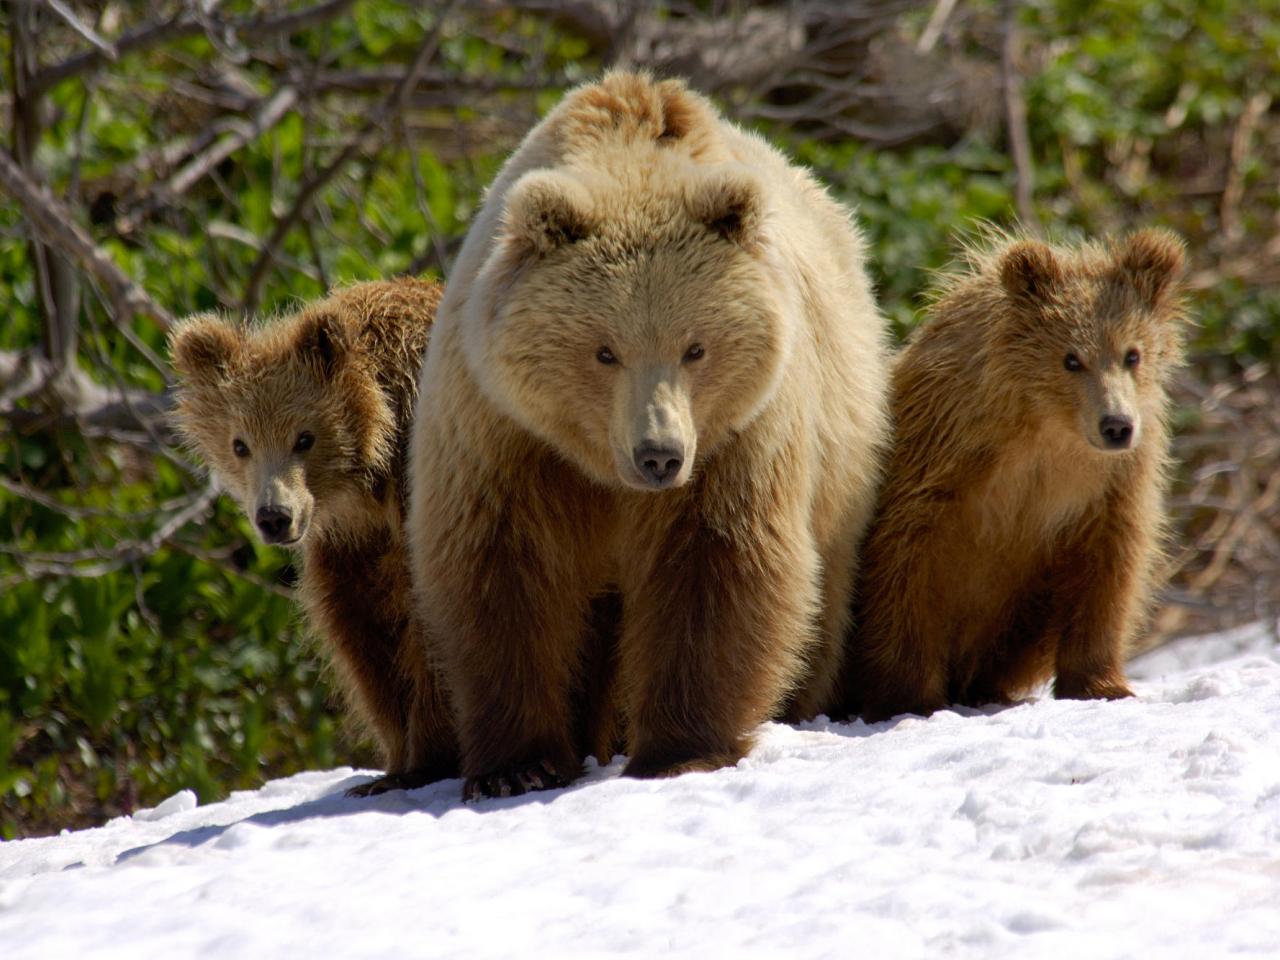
[305, 420]
[1021, 515]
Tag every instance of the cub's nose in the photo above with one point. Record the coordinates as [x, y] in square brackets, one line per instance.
[1117, 432]
[658, 465]
[274, 522]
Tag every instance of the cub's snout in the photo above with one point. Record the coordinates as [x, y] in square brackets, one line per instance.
[276, 524]
[1117, 432]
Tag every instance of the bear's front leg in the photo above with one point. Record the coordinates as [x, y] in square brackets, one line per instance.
[1099, 581]
[721, 607]
[500, 559]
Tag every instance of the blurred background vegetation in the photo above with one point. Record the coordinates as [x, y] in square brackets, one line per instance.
[173, 156]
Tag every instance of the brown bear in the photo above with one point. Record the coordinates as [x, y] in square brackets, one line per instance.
[658, 367]
[305, 420]
[1020, 518]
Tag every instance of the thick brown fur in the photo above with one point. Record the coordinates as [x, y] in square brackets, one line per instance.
[344, 370]
[632, 226]
[1009, 545]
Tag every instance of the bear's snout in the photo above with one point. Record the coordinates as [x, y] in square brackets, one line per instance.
[1117, 431]
[659, 466]
[274, 523]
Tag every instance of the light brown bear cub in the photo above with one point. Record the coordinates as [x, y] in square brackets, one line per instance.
[1021, 514]
[658, 366]
[305, 420]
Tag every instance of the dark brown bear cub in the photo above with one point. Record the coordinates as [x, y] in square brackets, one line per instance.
[1020, 518]
[305, 420]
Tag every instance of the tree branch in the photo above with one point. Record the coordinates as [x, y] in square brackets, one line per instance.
[186, 25]
[1016, 119]
[68, 16]
[54, 223]
[391, 106]
[239, 133]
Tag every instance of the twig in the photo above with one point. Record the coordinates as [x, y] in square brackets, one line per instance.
[179, 27]
[1016, 119]
[105, 47]
[76, 563]
[240, 132]
[933, 29]
[1233, 194]
[55, 224]
[392, 105]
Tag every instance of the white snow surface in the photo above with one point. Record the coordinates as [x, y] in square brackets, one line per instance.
[1142, 828]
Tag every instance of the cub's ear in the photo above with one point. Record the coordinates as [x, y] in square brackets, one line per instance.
[322, 340]
[1029, 272]
[547, 210]
[731, 204]
[1151, 261]
[205, 348]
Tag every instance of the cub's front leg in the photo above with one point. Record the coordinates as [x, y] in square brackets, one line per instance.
[721, 606]
[1099, 590]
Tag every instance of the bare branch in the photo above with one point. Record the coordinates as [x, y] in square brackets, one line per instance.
[55, 224]
[105, 47]
[97, 562]
[186, 25]
[74, 397]
[389, 108]
[239, 132]
[933, 29]
[1016, 120]
[1233, 194]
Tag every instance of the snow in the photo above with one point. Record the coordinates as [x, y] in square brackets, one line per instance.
[1148, 827]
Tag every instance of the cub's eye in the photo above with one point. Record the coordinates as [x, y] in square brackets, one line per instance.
[1072, 363]
[694, 353]
[306, 439]
[1131, 358]
[240, 448]
[605, 356]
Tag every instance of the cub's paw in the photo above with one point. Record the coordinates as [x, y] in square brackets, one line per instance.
[1091, 688]
[405, 780]
[517, 780]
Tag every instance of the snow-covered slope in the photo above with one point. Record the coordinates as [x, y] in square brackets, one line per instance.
[1143, 828]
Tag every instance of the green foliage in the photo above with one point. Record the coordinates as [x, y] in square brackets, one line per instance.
[126, 687]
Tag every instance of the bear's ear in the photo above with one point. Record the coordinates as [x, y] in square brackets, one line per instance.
[322, 339]
[1029, 272]
[546, 210]
[204, 348]
[1151, 261]
[730, 204]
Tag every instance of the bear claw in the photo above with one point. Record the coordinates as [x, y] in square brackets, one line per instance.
[514, 781]
[404, 780]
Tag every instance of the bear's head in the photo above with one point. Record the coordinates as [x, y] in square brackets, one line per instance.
[1091, 337]
[636, 322]
[288, 415]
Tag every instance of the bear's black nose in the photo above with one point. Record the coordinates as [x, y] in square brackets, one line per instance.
[1116, 432]
[658, 465]
[274, 522]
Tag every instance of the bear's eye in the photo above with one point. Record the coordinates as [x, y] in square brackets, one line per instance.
[1072, 363]
[306, 439]
[240, 448]
[1131, 358]
[694, 353]
[605, 356]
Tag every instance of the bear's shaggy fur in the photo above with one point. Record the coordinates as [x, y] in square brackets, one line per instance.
[305, 420]
[1020, 518]
[658, 367]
